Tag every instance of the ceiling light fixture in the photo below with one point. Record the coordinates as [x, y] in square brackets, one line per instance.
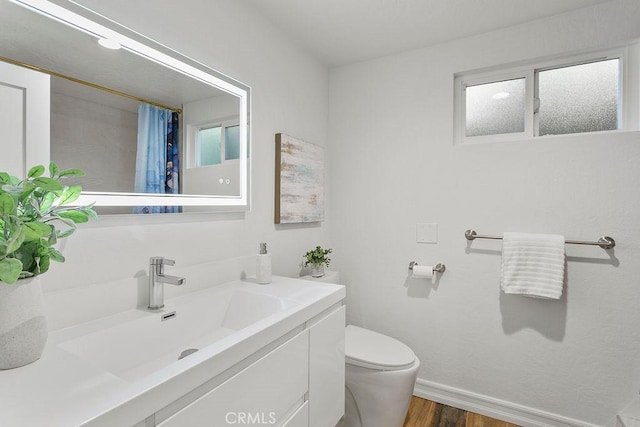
[109, 43]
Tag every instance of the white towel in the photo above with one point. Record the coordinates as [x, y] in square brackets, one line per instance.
[533, 264]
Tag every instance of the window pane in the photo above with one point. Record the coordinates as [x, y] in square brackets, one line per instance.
[232, 142]
[580, 98]
[209, 146]
[495, 108]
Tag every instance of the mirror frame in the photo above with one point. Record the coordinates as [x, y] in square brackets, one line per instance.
[98, 26]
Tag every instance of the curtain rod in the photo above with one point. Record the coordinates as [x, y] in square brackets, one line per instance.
[89, 84]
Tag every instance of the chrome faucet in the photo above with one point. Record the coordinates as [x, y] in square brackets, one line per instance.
[156, 280]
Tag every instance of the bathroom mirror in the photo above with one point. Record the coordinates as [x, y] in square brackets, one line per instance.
[97, 130]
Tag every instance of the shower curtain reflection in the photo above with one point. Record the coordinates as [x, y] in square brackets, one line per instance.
[157, 162]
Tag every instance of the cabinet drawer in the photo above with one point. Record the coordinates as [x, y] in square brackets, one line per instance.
[262, 393]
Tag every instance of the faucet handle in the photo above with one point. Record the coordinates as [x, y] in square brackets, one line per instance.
[158, 260]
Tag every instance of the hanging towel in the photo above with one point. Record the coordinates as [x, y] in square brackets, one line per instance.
[533, 264]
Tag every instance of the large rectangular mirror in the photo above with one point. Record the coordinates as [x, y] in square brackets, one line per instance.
[105, 104]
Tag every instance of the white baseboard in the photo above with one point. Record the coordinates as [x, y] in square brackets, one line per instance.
[495, 408]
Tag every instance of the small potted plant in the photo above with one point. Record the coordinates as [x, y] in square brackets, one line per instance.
[317, 259]
[34, 213]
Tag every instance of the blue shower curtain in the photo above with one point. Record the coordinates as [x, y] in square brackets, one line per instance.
[157, 163]
[172, 181]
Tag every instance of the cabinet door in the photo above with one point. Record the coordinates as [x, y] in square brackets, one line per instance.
[260, 394]
[24, 119]
[326, 370]
[300, 418]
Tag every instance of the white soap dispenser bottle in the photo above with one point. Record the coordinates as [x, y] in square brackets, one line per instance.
[263, 266]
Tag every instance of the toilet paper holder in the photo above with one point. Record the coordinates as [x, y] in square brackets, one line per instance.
[439, 268]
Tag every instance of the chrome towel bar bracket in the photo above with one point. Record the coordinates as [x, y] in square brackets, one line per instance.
[605, 242]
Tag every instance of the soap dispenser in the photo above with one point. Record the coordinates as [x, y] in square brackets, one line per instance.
[263, 266]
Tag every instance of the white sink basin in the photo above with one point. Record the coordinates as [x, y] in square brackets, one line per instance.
[138, 343]
[111, 371]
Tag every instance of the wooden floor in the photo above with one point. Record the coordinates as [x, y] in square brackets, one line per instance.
[424, 413]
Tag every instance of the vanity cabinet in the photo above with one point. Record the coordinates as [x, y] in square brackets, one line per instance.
[300, 418]
[300, 383]
[326, 369]
[264, 355]
[262, 393]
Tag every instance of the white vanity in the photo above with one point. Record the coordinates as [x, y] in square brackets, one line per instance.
[266, 355]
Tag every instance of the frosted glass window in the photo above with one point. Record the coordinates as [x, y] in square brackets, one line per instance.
[579, 98]
[209, 146]
[232, 142]
[495, 108]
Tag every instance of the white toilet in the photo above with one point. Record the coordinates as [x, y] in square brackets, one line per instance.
[380, 374]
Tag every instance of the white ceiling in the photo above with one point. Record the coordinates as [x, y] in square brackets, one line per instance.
[339, 32]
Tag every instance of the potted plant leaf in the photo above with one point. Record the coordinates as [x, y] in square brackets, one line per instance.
[317, 259]
[34, 213]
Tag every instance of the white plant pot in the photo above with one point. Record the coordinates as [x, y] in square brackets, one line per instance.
[23, 326]
[317, 270]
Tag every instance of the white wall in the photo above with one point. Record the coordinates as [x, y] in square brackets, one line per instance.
[101, 138]
[290, 94]
[393, 164]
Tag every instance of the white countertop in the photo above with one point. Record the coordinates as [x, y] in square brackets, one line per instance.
[62, 389]
[330, 276]
[630, 415]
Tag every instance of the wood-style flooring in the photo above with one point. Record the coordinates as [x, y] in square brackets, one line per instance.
[424, 413]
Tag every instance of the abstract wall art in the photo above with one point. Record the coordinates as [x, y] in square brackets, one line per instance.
[299, 181]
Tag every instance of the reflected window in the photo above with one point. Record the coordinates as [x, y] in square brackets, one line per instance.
[209, 146]
[217, 143]
[232, 142]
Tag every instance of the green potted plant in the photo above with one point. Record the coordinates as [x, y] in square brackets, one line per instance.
[35, 213]
[317, 259]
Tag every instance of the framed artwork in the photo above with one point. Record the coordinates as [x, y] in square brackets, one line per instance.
[299, 181]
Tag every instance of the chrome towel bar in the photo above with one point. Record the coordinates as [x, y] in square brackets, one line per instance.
[605, 242]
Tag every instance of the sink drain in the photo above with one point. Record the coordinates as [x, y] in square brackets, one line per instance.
[187, 352]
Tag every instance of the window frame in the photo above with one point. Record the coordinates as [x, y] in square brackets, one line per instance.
[627, 106]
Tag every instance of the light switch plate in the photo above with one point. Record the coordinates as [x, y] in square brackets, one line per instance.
[427, 233]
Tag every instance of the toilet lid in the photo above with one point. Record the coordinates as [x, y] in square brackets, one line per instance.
[372, 350]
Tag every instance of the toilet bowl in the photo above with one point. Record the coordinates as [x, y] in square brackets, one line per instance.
[380, 374]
